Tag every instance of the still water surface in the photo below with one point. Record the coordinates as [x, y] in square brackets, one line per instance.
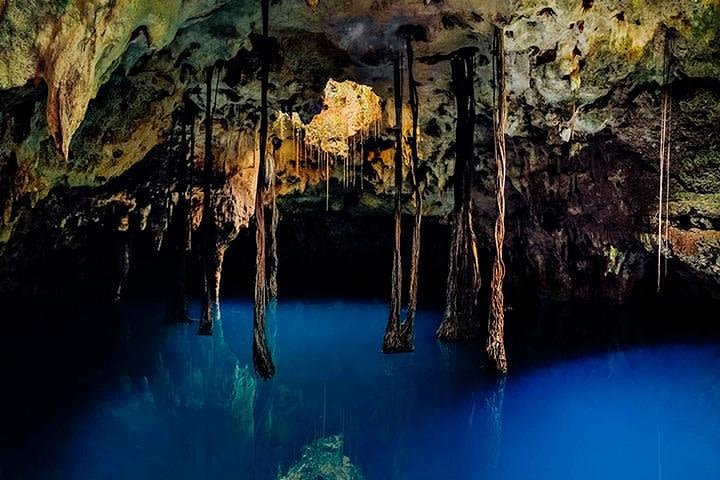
[179, 406]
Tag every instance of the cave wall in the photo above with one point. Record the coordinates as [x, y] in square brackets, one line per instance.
[90, 93]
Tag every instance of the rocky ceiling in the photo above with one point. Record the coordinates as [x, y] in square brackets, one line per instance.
[90, 92]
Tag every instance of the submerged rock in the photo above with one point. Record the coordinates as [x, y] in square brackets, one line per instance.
[323, 460]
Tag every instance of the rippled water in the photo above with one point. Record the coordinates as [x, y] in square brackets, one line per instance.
[186, 407]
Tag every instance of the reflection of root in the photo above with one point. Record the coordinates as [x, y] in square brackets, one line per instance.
[262, 360]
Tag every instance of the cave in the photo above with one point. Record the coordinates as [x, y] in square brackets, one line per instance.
[323, 240]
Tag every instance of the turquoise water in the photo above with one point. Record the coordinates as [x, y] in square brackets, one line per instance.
[186, 407]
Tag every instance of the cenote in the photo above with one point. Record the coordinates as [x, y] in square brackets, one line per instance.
[331, 240]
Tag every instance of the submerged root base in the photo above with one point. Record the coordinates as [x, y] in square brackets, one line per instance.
[497, 357]
[451, 332]
[394, 342]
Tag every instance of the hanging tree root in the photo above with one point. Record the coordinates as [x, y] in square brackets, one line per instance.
[262, 359]
[407, 329]
[495, 346]
[464, 271]
[123, 263]
[181, 226]
[664, 180]
[211, 262]
[392, 340]
[274, 219]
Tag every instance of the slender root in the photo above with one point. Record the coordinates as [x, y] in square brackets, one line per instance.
[495, 346]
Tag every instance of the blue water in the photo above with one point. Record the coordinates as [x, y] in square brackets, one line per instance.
[186, 407]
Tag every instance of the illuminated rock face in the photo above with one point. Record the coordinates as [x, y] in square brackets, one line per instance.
[348, 109]
[88, 91]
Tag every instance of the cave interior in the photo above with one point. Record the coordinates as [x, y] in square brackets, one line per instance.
[320, 239]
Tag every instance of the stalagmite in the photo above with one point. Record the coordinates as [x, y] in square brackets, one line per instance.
[496, 325]
[262, 360]
[412, 33]
[463, 280]
[212, 254]
[392, 341]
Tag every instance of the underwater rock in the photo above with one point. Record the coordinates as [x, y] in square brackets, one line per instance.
[323, 460]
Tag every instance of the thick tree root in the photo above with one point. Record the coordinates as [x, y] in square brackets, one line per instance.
[392, 339]
[262, 358]
[464, 271]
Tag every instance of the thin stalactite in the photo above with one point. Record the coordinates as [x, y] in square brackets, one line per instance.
[464, 271]
[495, 346]
[262, 358]
[392, 341]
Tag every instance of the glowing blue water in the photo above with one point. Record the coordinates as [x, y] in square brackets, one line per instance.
[188, 407]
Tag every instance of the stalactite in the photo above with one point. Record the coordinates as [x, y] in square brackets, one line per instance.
[362, 162]
[408, 326]
[327, 181]
[392, 341]
[496, 326]
[664, 180]
[212, 254]
[262, 359]
[464, 271]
